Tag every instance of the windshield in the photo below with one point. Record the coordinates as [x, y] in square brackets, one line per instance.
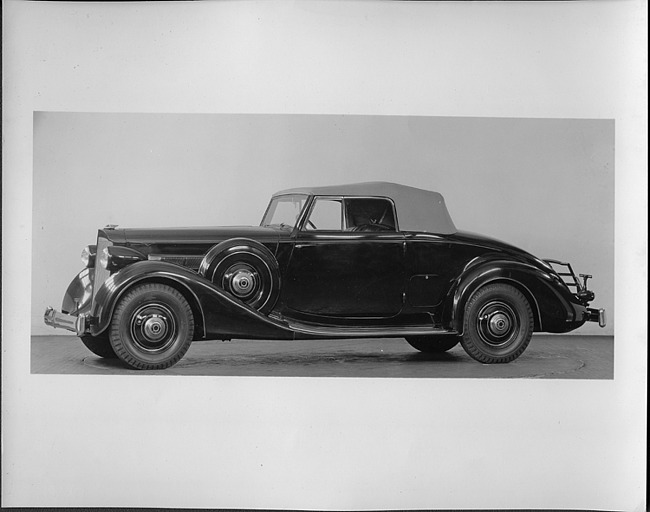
[284, 211]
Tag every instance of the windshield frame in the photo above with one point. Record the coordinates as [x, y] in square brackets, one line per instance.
[278, 198]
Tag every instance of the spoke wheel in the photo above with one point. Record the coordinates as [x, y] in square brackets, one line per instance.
[435, 344]
[152, 327]
[498, 324]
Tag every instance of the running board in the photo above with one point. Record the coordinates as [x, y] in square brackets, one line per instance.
[358, 332]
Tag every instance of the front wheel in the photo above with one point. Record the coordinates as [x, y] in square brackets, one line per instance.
[152, 327]
[497, 325]
[435, 344]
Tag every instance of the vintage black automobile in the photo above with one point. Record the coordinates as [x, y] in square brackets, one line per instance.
[362, 260]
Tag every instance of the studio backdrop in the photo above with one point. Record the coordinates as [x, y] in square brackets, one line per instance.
[545, 185]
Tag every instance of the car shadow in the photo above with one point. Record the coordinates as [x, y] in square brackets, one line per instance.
[443, 356]
[288, 359]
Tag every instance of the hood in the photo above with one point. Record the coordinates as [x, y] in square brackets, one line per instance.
[192, 235]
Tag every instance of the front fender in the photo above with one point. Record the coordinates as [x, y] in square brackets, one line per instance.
[548, 299]
[220, 313]
[78, 296]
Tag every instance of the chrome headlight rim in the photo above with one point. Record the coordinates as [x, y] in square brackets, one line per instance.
[88, 255]
[104, 258]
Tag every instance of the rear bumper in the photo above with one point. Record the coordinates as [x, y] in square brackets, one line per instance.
[76, 324]
[597, 315]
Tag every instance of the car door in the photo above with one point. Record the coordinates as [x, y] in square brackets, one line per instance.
[345, 263]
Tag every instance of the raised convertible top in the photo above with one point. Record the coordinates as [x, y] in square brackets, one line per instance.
[417, 209]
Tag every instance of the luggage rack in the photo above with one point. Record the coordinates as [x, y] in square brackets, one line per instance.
[569, 277]
[573, 280]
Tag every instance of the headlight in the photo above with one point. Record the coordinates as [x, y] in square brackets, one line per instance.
[103, 258]
[88, 256]
[116, 257]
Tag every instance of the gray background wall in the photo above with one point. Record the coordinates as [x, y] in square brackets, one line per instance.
[546, 185]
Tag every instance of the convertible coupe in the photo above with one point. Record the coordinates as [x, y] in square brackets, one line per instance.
[364, 260]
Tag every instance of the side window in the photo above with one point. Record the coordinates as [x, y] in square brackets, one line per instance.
[325, 215]
[370, 214]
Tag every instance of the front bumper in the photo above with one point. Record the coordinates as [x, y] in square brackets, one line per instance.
[597, 315]
[76, 324]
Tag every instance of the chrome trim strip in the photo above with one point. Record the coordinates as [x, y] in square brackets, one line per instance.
[352, 238]
[193, 262]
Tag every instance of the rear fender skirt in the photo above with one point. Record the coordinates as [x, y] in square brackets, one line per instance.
[220, 312]
[534, 283]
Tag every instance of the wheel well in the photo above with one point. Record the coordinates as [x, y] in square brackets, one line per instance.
[515, 284]
[529, 297]
[197, 312]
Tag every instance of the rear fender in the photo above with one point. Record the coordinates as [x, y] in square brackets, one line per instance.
[214, 306]
[531, 281]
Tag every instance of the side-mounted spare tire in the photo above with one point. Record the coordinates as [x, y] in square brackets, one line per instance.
[246, 269]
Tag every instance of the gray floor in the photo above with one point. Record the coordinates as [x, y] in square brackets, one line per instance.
[547, 357]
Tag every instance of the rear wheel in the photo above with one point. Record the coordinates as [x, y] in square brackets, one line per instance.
[99, 345]
[434, 344]
[498, 324]
[152, 327]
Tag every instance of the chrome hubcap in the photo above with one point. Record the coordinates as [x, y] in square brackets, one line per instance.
[497, 323]
[153, 327]
[241, 280]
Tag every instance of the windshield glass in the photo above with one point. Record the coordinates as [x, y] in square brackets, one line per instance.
[284, 211]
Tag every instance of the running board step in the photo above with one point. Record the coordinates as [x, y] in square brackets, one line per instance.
[358, 332]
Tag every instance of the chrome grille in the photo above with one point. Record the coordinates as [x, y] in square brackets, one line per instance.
[101, 274]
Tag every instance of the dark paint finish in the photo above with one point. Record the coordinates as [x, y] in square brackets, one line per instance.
[346, 275]
[346, 278]
[196, 235]
[332, 283]
[170, 243]
[219, 313]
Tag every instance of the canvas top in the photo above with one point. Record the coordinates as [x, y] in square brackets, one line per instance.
[417, 209]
